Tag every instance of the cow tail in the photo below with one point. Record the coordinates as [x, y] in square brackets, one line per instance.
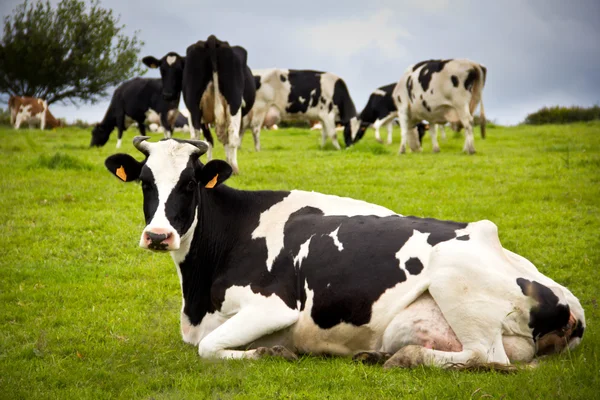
[477, 95]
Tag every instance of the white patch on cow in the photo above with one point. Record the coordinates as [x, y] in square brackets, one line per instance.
[119, 142]
[379, 92]
[415, 247]
[169, 161]
[336, 241]
[302, 253]
[301, 99]
[272, 221]
[171, 59]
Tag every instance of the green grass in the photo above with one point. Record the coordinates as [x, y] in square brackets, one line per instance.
[85, 313]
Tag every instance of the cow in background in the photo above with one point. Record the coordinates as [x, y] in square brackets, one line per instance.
[31, 110]
[304, 95]
[218, 88]
[440, 91]
[135, 98]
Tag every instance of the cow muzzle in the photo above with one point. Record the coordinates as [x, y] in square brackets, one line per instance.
[159, 239]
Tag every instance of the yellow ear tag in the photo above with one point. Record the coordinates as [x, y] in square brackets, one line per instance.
[212, 182]
[121, 173]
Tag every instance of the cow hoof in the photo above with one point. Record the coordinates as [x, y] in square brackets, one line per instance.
[407, 357]
[371, 357]
[402, 150]
[436, 149]
[276, 351]
[379, 140]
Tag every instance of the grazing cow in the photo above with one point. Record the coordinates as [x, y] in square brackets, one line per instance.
[31, 110]
[439, 91]
[381, 110]
[218, 88]
[304, 95]
[181, 123]
[314, 273]
[135, 98]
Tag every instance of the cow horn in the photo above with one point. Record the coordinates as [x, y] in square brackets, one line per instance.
[140, 143]
[200, 144]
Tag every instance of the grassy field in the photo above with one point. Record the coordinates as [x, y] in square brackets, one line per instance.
[85, 313]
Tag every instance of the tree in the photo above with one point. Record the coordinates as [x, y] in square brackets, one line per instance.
[73, 52]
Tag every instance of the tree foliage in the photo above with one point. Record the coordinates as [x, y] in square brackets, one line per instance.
[75, 51]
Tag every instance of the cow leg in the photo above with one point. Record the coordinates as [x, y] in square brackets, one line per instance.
[407, 131]
[43, 120]
[434, 141]
[443, 129]
[121, 127]
[376, 126]
[18, 120]
[473, 311]
[165, 121]
[141, 127]
[390, 130]
[250, 324]
[233, 140]
[467, 120]
[209, 139]
[329, 130]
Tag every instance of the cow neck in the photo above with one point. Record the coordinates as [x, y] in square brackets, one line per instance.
[109, 122]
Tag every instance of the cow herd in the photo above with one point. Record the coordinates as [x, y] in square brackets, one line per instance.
[283, 273]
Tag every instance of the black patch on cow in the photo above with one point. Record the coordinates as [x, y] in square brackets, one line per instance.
[305, 84]
[454, 80]
[471, 78]
[379, 106]
[417, 65]
[421, 96]
[150, 192]
[409, 88]
[330, 107]
[180, 205]
[283, 78]
[323, 100]
[484, 69]
[346, 109]
[548, 315]
[257, 80]
[429, 68]
[431, 91]
[344, 290]
[414, 266]
[426, 106]
[463, 238]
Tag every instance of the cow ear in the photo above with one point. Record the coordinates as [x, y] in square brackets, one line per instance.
[124, 167]
[151, 62]
[213, 173]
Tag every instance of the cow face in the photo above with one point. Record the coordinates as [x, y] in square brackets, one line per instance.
[555, 317]
[100, 135]
[172, 180]
[171, 71]
[351, 131]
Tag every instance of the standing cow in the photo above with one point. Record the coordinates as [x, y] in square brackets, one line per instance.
[135, 98]
[218, 88]
[279, 273]
[440, 91]
[31, 110]
[304, 95]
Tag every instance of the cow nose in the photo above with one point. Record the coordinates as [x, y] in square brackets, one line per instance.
[158, 239]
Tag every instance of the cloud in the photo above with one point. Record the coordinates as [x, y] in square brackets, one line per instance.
[348, 37]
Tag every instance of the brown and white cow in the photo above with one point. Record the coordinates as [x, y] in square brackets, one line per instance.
[31, 110]
[440, 91]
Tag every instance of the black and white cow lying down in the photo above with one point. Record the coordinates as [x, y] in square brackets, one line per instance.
[279, 273]
[440, 91]
[218, 88]
[303, 95]
[135, 98]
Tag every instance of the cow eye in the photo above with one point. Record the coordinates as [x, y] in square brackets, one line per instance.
[191, 186]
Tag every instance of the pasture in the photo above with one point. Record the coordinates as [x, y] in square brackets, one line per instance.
[85, 313]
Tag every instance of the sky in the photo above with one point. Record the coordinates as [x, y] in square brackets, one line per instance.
[538, 52]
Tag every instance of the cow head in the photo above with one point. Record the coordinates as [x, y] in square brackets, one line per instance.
[173, 180]
[556, 317]
[351, 131]
[100, 135]
[171, 72]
